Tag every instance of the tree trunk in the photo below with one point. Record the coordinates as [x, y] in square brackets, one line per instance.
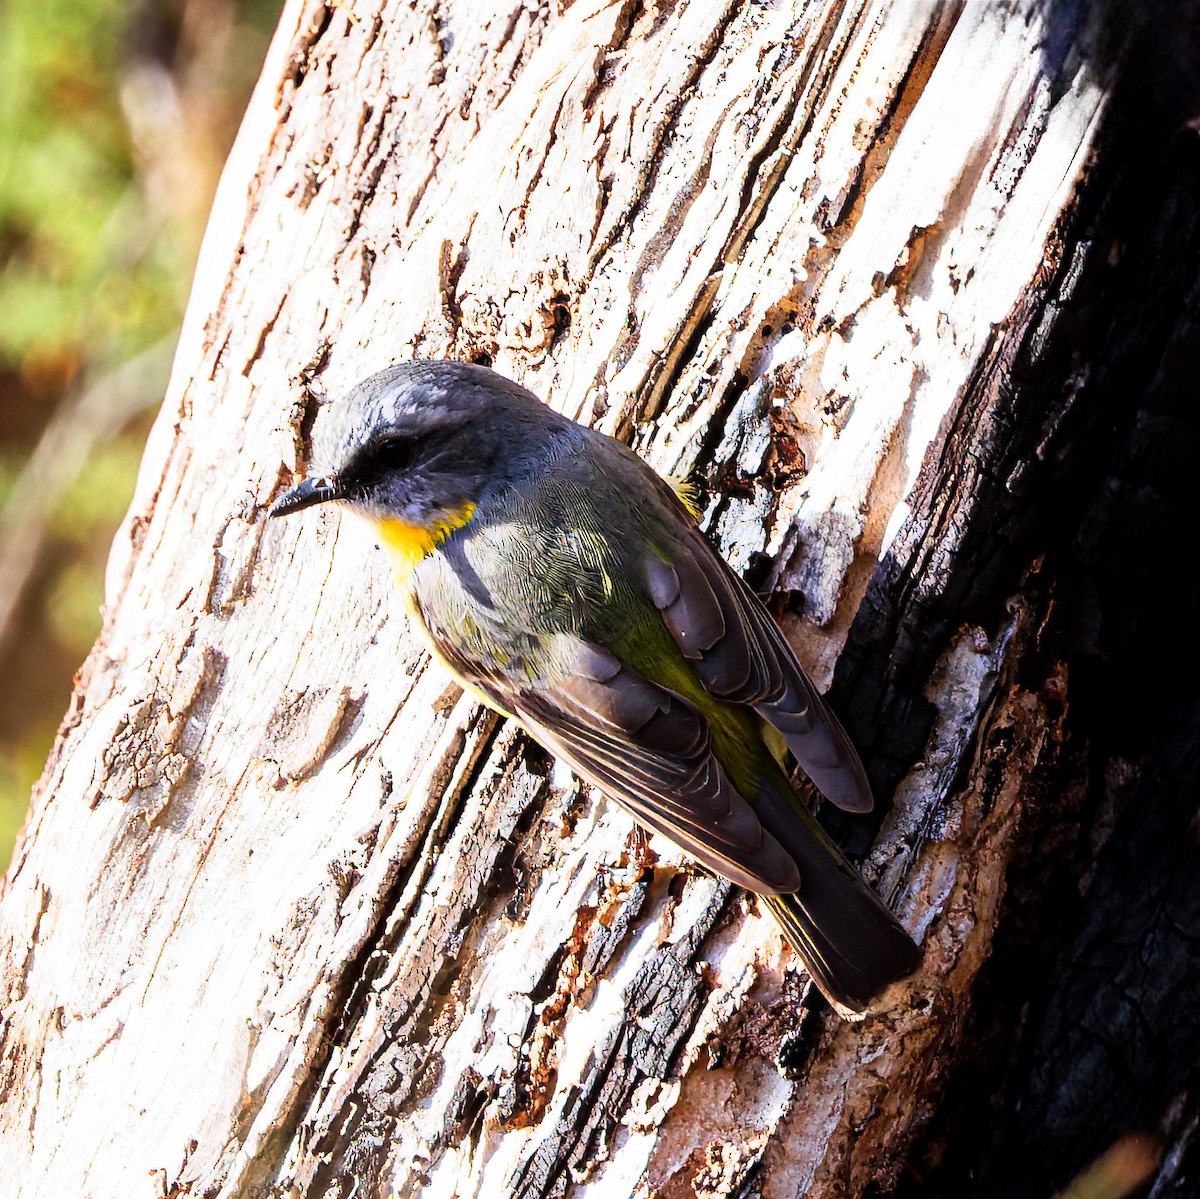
[914, 286]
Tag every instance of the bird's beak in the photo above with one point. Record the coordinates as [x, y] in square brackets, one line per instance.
[305, 494]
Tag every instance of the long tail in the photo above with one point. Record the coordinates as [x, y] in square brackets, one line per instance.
[848, 940]
[852, 945]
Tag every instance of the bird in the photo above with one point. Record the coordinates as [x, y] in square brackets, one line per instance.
[567, 585]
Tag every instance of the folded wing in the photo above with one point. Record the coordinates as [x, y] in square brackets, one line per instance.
[649, 749]
[742, 657]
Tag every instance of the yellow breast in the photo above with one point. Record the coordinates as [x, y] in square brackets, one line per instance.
[408, 544]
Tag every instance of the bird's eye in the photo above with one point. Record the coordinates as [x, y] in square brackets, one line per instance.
[393, 452]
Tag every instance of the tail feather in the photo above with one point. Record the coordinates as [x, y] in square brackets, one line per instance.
[851, 944]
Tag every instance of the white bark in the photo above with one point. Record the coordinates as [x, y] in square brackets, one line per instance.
[284, 894]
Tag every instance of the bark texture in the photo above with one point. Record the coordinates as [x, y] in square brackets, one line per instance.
[291, 916]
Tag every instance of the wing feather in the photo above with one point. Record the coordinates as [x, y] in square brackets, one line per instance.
[742, 657]
[734, 845]
[646, 747]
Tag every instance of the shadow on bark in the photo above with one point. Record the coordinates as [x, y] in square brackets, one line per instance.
[1085, 1024]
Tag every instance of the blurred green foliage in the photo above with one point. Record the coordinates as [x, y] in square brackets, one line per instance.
[66, 170]
[99, 226]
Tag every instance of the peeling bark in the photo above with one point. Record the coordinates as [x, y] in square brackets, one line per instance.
[291, 916]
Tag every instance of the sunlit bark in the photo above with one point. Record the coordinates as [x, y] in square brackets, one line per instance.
[290, 914]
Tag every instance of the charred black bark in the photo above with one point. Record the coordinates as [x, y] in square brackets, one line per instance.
[1085, 1026]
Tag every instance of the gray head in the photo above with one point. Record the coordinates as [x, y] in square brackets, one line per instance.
[419, 441]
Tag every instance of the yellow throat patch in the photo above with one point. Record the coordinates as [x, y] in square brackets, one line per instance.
[410, 543]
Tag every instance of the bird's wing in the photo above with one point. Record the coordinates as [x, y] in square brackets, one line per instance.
[646, 747]
[741, 656]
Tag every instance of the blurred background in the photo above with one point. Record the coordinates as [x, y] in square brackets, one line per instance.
[115, 119]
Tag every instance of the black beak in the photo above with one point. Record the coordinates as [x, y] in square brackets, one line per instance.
[304, 495]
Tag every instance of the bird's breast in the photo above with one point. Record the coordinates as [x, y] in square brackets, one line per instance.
[408, 543]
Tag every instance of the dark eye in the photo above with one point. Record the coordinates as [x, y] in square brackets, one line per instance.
[393, 452]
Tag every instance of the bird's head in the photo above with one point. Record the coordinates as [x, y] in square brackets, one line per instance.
[414, 447]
